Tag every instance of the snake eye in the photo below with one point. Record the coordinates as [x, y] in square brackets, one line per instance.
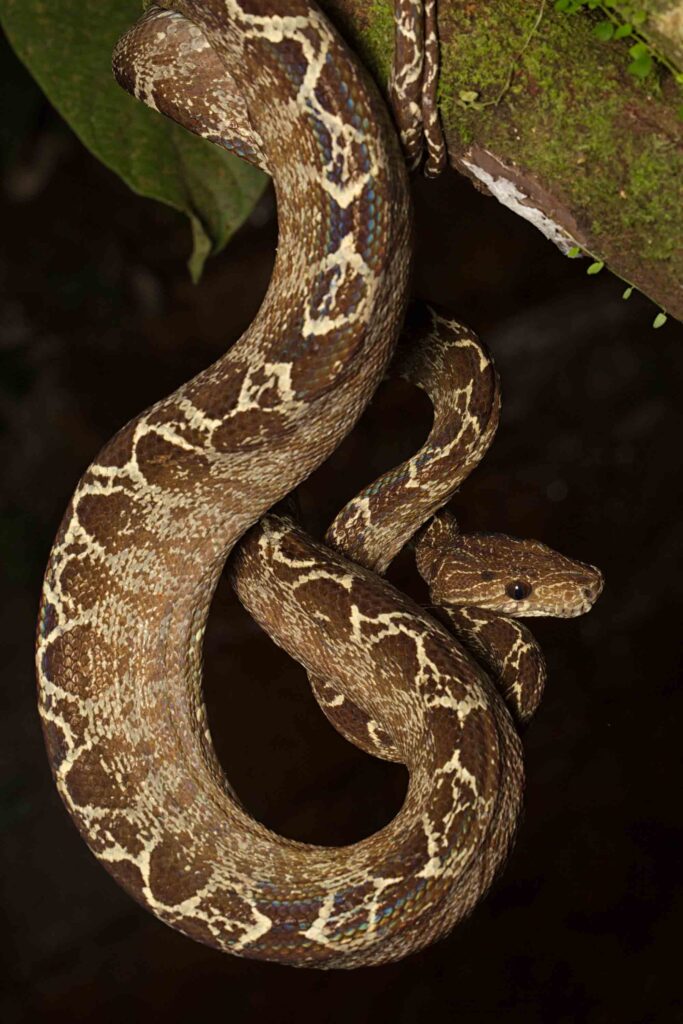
[518, 590]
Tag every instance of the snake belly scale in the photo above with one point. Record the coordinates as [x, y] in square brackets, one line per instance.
[152, 521]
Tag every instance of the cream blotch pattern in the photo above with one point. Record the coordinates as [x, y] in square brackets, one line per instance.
[154, 518]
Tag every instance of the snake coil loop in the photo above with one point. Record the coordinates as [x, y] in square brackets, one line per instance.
[152, 521]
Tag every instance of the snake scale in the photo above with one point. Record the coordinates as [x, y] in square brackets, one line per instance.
[152, 521]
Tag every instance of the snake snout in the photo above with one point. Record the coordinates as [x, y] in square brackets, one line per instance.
[591, 586]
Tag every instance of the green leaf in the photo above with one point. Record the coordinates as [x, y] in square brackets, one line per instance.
[67, 46]
[641, 66]
[595, 267]
[20, 117]
[604, 30]
[574, 252]
[639, 17]
[623, 31]
[628, 293]
[659, 320]
[639, 50]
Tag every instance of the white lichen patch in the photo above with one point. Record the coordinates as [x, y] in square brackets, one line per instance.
[509, 194]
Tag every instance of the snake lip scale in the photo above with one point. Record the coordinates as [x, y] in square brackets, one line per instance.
[189, 482]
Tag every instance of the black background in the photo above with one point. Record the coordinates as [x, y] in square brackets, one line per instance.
[98, 319]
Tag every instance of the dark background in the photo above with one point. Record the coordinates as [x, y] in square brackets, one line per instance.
[98, 319]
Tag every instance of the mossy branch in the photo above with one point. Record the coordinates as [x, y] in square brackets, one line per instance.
[546, 117]
[558, 115]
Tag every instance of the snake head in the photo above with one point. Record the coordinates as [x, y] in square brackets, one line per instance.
[503, 574]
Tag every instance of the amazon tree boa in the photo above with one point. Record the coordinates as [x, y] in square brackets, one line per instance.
[152, 521]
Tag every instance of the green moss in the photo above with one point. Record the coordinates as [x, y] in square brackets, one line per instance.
[566, 115]
[478, 57]
[379, 38]
[369, 30]
[658, 222]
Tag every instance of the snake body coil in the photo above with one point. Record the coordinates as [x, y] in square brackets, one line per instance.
[149, 528]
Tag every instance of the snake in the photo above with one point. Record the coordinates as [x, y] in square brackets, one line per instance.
[190, 484]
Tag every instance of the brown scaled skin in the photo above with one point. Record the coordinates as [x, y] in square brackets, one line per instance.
[521, 578]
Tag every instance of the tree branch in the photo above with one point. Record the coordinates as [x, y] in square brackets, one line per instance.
[544, 116]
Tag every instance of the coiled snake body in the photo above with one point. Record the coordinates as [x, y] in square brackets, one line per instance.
[151, 523]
